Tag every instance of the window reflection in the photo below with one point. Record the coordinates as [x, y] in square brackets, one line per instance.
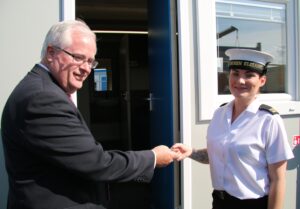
[256, 25]
[103, 77]
[100, 77]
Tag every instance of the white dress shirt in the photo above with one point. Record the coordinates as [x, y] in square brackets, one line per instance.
[239, 152]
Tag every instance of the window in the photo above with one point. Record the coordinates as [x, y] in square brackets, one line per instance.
[262, 25]
[253, 25]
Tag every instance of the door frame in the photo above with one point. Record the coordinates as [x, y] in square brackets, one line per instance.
[185, 60]
[163, 63]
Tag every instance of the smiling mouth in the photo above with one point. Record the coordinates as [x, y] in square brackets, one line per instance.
[242, 89]
[79, 77]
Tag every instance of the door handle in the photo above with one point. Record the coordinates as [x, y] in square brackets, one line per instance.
[151, 99]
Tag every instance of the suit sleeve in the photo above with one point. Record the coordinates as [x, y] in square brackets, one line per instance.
[54, 131]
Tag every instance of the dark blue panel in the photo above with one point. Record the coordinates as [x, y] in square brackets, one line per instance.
[160, 67]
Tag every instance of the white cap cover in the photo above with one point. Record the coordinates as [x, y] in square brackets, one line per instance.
[248, 59]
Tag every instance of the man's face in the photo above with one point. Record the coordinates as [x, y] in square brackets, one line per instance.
[66, 69]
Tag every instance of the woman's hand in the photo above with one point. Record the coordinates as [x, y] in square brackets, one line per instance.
[182, 150]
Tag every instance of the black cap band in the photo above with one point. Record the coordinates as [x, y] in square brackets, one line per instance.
[248, 65]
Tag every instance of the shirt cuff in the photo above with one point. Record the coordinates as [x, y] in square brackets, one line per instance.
[154, 158]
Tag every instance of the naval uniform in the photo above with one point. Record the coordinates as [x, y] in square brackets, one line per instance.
[239, 154]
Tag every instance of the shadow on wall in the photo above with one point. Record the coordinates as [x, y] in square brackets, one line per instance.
[295, 164]
[3, 178]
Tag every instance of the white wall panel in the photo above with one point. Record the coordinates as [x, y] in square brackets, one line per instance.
[24, 25]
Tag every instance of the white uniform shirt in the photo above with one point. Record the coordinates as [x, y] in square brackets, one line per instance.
[239, 153]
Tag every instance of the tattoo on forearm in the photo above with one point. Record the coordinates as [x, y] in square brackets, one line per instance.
[200, 155]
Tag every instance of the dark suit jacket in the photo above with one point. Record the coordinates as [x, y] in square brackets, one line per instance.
[52, 159]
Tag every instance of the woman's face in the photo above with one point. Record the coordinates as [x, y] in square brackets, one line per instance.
[245, 84]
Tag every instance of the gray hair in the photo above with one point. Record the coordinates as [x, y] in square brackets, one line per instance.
[60, 34]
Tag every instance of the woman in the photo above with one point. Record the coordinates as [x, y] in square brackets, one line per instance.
[247, 146]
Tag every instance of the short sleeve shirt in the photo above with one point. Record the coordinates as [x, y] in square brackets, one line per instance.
[239, 152]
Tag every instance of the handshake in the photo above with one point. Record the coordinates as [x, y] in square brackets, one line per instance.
[165, 155]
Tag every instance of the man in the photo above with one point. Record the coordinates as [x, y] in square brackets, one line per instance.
[52, 159]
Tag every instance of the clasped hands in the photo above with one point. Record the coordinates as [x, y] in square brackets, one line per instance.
[166, 155]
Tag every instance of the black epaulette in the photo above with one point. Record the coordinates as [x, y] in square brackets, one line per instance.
[268, 109]
[223, 104]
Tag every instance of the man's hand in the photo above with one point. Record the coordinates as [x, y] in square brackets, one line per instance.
[164, 156]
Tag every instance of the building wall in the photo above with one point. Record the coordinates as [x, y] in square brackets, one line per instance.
[293, 190]
[23, 28]
[24, 25]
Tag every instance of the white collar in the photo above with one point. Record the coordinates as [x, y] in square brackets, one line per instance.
[44, 67]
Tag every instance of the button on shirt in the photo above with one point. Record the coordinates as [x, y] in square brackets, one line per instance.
[239, 152]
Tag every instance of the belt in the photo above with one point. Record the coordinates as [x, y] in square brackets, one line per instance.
[223, 194]
[223, 200]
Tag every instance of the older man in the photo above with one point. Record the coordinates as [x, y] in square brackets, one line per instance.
[52, 159]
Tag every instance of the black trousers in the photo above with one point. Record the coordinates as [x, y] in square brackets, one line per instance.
[223, 200]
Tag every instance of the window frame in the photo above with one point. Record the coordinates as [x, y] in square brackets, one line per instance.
[207, 95]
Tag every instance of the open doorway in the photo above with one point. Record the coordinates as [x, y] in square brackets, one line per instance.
[130, 100]
[121, 82]
[114, 98]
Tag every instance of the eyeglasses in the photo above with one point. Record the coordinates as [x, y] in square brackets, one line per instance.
[80, 59]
